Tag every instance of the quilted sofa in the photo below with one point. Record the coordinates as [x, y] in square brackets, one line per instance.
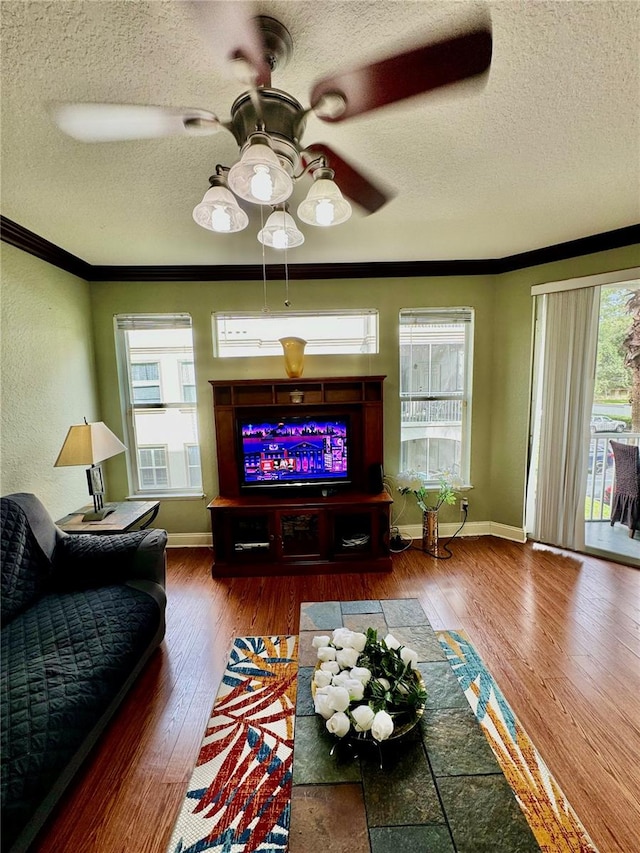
[80, 617]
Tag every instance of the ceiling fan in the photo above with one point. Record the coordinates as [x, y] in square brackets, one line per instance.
[268, 124]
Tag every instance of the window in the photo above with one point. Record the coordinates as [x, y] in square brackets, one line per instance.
[194, 471]
[145, 382]
[152, 465]
[435, 390]
[158, 388]
[188, 381]
[326, 332]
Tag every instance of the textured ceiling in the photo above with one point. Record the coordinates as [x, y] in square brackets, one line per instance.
[548, 150]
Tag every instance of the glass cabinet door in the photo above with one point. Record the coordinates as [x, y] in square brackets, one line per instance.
[301, 533]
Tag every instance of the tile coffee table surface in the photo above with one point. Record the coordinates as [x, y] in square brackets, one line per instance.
[440, 789]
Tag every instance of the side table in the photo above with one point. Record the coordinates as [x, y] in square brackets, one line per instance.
[125, 515]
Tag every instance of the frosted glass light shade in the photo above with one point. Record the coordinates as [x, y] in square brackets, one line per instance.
[219, 211]
[281, 232]
[258, 176]
[324, 205]
[87, 444]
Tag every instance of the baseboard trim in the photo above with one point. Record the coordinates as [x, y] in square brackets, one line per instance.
[471, 528]
[412, 531]
[189, 540]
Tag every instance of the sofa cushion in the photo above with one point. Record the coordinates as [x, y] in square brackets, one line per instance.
[64, 660]
[25, 568]
[83, 562]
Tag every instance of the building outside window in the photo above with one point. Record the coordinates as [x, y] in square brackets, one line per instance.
[158, 388]
[435, 390]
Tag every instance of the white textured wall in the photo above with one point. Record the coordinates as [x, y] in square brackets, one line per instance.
[47, 378]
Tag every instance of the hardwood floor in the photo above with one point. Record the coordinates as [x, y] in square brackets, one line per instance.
[560, 633]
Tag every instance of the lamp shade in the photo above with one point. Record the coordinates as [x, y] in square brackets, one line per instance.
[324, 204]
[258, 176]
[87, 444]
[219, 211]
[281, 232]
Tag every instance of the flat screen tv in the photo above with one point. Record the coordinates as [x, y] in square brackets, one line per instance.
[294, 451]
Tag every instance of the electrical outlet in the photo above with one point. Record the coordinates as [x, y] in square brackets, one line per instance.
[464, 506]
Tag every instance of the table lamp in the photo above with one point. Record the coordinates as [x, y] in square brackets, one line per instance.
[90, 444]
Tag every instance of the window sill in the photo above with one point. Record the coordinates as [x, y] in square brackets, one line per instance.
[167, 496]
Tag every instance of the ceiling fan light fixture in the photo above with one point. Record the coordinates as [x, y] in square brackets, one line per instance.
[281, 232]
[259, 176]
[324, 205]
[219, 211]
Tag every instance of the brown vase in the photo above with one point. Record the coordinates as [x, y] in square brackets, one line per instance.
[293, 349]
[430, 531]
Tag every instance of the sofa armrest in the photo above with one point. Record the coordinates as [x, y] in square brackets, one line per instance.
[85, 561]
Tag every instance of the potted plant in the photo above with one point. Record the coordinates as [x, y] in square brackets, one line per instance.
[429, 498]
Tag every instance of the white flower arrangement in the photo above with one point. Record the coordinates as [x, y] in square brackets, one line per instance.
[365, 686]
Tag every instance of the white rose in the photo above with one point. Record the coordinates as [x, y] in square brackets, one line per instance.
[326, 653]
[322, 678]
[355, 688]
[358, 641]
[319, 642]
[409, 656]
[331, 666]
[363, 716]
[338, 698]
[341, 637]
[338, 724]
[341, 678]
[361, 673]
[382, 726]
[347, 658]
[384, 683]
[391, 642]
[321, 705]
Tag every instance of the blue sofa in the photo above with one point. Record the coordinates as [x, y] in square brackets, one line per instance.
[80, 617]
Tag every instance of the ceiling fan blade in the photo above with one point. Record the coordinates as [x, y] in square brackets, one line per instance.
[232, 31]
[351, 182]
[116, 122]
[412, 73]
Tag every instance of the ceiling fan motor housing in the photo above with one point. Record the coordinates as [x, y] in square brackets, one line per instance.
[284, 122]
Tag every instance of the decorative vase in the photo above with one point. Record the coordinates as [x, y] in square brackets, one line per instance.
[430, 531]
[293, 349]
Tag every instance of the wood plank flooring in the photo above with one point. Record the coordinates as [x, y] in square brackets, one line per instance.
[560, 633]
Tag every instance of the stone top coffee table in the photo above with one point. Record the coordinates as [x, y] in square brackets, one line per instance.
[440, 789]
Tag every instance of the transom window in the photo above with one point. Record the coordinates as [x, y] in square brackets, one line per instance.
[435, 390]
[244, 334]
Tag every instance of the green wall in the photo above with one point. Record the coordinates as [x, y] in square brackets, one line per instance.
[52, 321]
[48, 378]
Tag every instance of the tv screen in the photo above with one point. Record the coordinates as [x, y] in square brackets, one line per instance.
[294, 451]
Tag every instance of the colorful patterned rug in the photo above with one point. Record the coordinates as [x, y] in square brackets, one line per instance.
[238, 797]
[551, 818]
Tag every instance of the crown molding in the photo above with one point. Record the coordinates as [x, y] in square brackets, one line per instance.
[28, 241]
[15, 235]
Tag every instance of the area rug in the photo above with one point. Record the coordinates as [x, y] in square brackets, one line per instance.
[555, 825]
[238, 798]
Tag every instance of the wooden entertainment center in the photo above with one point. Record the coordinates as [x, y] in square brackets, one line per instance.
[345, 528]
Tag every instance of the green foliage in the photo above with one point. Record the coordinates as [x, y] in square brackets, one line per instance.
[611, 372]
[406, 693]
